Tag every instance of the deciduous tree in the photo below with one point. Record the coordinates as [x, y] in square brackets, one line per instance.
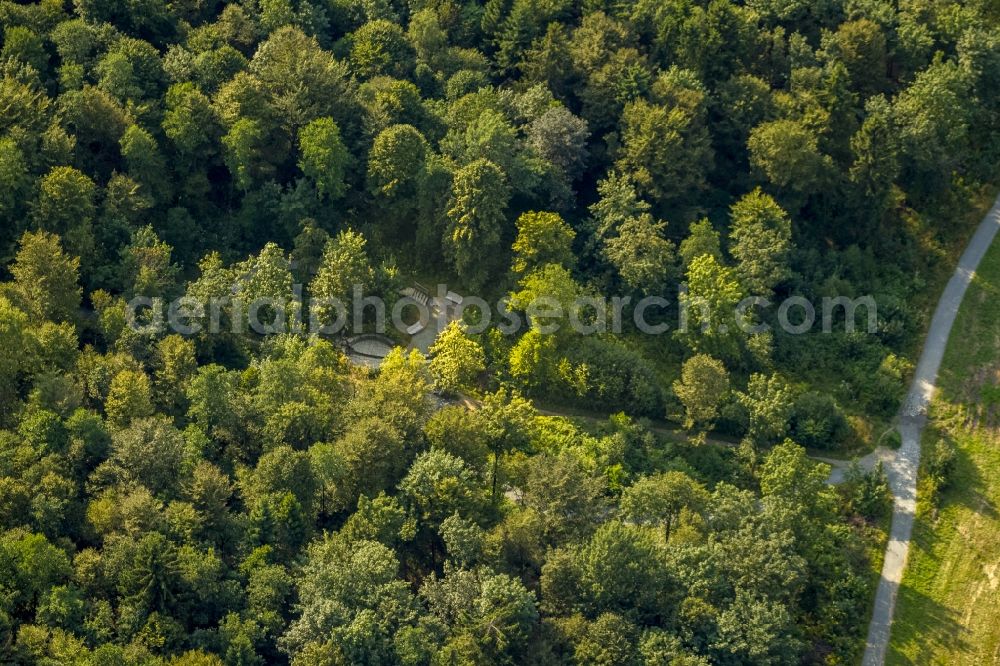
[542, 238]
[439, 485]
[323, 157]
[560, 138]
[456, 359]
[702, 388]
[786, 153]
[709, 304]
[380, 47]
[150, 452]
[659, 499]
[761, 236]
[641, 254]
[242, 146]
[768, 400]
[349, 597]
[344, 264]
[65, 206]
[396, 162]
[45, 278]
[190, 121]
[702, 239]
[495, 611]
[302, 82]
[665, 149]
[476, 217]
[129, 397]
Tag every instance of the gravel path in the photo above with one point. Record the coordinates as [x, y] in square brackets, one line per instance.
[838, 468]
[902, 468]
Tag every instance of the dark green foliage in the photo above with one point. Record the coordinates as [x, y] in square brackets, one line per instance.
[231, 497]
[868, 493]
[818, 421]
[937, 467]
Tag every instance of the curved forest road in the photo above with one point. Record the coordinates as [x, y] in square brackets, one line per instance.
[902, 470]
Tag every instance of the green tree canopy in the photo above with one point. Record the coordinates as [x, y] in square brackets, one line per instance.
[456, 359]
[344, 264]
[702, 388]
[66, 206]
[542, 238]
[396, 161]
[45, 277]
[323, 156]
[476, 218]
[760, 236]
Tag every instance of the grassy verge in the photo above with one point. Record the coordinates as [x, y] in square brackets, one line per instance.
[949, 602]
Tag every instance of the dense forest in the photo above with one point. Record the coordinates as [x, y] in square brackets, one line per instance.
[234, 498]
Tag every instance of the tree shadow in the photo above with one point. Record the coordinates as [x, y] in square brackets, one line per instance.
[926, 626]
[967, 486]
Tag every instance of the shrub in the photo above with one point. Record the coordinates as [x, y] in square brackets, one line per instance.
[938, 470]
[867, 493]
[818, 422]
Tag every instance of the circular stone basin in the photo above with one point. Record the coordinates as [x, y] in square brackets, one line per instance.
[371, 344]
